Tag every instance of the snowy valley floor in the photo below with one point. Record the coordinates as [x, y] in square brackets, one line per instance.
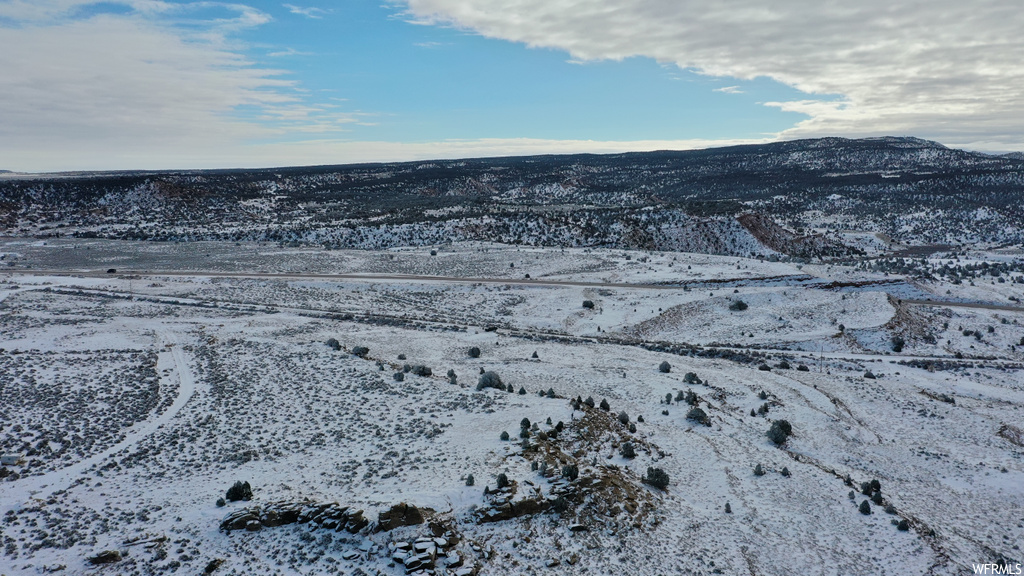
[139, 399]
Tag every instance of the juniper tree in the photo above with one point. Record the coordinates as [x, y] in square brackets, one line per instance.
[502, 481]
[571, 471]
[697, 415]
[668, 398]
[604, 405]
[474, 352]
[758, 471]
[589, 401]
[239, 491]
[623, 418]
[691, 398]
[665, 367]
[504, 436]
[490, 380]
[728, 508]
[522, 391]
[780, 431]
[551, 392]
[333, 344]
[657, 477]
[865, 508]
[627, 450]
[469, 480]
[361, 351]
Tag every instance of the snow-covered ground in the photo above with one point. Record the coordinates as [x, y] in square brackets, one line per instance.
[140, 399]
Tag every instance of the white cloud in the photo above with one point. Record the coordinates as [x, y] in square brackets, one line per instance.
[943, 69]
[133, 89]
[729, 90]
[308, 12]
[333, 151]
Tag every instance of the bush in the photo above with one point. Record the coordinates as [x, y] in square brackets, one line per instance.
[657, 477]
[401, 356]
[691, 378]
[399, 376]
[627, 450]
[470, 480]
[534, 355]
[551, 392]
[869, 375]
[524, 423]
[502, 481]
[522, 391]
[728, 509]
[762, 395]
[668, 398]
[604, 405]
[504, 436]
[421, 370]
[738, 306]
[360, 351]
[221, 503]
[785, 472]
[865, 508]
[764, 367]
[758, 471]
[571, 471]
[333, 344]
[877, 498]
[783, 365]
[898, 343]
[589, 401]
[624, 418]
[903, 526]
[474, 352]
[697, 415]
[588, 304]
[239, 491]
[664, 367]
[510, 388]
[780, 431]
[490, 380]
[691, 398]
[803, 368]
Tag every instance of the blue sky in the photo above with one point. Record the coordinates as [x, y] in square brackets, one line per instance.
[157, 84]
[419, 82]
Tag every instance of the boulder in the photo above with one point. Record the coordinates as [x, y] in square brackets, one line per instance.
[399, 515]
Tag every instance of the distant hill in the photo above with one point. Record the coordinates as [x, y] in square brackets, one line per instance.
[914, 190]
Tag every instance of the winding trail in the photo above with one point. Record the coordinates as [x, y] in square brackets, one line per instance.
[16, 494]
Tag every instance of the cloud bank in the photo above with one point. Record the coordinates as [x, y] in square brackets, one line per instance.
[148, 83]
[942, 69]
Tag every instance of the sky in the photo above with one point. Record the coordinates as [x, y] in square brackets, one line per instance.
[163, 84]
